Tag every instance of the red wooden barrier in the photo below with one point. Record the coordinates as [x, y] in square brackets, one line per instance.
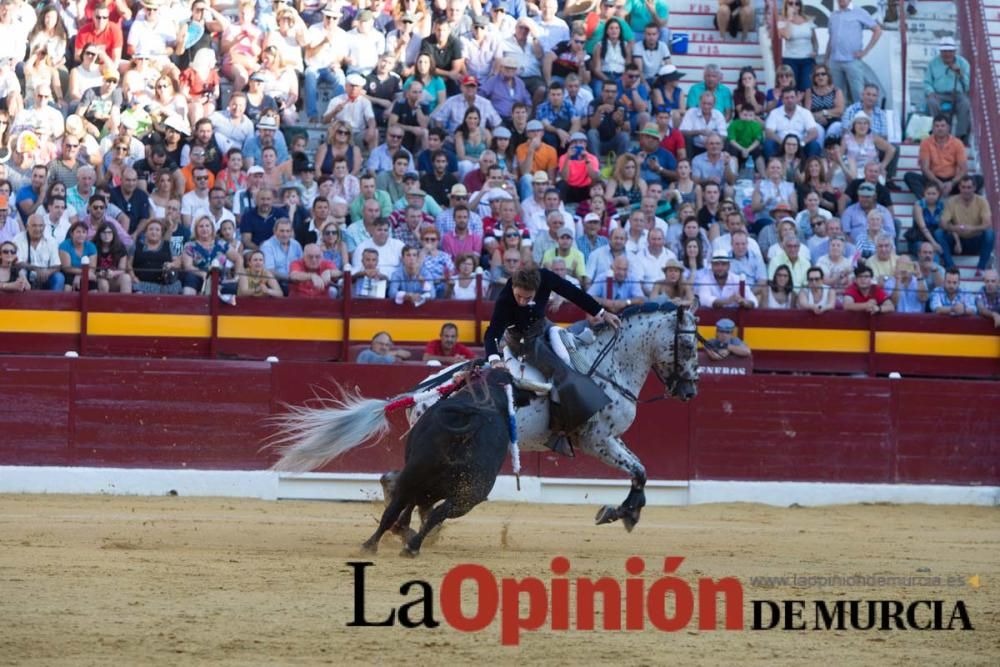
[192, 414]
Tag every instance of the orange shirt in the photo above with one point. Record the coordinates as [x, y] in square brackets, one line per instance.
[544, 160]
[943, 160]
[188, 174]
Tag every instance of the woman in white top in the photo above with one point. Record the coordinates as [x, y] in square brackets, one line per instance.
[610, 56]
[767, 193]
[836, 267]
[816, 296]
[463, 286]
[780, 292]
[798, 42]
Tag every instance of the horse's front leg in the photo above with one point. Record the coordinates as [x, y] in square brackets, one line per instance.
[614, 452]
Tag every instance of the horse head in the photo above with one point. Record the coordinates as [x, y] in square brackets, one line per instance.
[676, 354]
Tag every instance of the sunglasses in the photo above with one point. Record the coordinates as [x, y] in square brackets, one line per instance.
[330, 232]
[8, 251]
[341, 132]
[71, 145]
[813, 279]
[433, 239]
[512, 236]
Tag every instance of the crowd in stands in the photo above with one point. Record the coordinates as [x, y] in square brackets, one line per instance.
[466, 138]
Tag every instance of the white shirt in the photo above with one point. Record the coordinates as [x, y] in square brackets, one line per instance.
[652, 59]
[552, 32]
[355, 113]
[694, 120]
[194, 206]
[56, 230]
[390, 255]
[226, 214]
[529, 66]
[45, 253]
[799, 123]
[333, 50]
[224, 125]
[709, 292]
[364, 50]
[724, 244]
[652, 266]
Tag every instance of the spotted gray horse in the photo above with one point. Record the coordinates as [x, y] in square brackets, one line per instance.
[653, 337]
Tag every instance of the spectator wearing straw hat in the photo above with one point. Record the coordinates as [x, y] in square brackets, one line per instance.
[505, 88]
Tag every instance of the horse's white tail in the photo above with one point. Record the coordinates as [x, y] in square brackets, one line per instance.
[311, 437]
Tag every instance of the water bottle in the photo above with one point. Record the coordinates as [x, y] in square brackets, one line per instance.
[747, 172]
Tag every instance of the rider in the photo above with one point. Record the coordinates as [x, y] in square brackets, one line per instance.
[519, 317]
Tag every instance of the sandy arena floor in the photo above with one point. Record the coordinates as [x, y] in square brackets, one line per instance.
[182, 581]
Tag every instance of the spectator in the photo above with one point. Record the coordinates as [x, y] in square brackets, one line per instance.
[568, 253]
[773, 194]
[447, 349]
[946, 86]
[152, 264]
[623, 291]
[799, 43]
[872, 175]
[578, 170]
[943, 161]
[883, 262]
[714, 166]
[203, 253]
[280, 250]
[499, 275]
[38, 255]
[844, 51]
[12, 277]
[725, 344]
[673, 287]
[864, 296]
[369, 281]
[780, 291]
[463, 285]
[856, 216]
[817, 296]
[700, 121]
[723, 289]
[436, 264]
[590, 240]
[836, 266]
[928, 270]
[988, 299]
[745, 262]
[746, 138]
[966, 226]
[389, 250]
[927, 213]
[382, 351]
[909, 293]
[722, 98]
[825, 102]
[949, 299]
[610, 54]
[790, 118]
[450, 115]
[505, 88]
[408, 283]
[355, 109]
[257, 223]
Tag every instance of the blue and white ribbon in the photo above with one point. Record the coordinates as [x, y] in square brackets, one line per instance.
[515, 452]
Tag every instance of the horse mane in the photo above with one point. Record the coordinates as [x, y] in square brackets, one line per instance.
[640, 309]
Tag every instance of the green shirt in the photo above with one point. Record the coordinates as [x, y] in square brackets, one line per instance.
[639, 16]
[745, 132]
[723, 97]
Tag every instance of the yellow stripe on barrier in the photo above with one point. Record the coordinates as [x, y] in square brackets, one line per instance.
[937, 344]
[282, 328]
[40, 321]
[806, 340]
[149, 324]
[362, 330]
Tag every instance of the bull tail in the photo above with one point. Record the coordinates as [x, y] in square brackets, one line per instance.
[311, 437]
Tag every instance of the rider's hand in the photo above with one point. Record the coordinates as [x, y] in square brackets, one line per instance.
[497, 363]
[611, 318]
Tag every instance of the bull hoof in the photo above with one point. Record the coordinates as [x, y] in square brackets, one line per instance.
[409, 553]
[606, 514]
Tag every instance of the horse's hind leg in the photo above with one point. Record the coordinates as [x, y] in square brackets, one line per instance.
[616, 454]
[388, 520]
[449, 509]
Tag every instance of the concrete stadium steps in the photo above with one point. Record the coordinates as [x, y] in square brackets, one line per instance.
[705, 46]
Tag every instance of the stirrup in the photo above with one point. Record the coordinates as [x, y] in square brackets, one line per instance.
[560, 444]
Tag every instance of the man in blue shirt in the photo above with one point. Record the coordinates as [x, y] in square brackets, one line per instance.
[558, 118]
[257, 223]
[946, 86]
[950, 299]
[30, 195]
[625, 289]
[844, 51]
[656, 164]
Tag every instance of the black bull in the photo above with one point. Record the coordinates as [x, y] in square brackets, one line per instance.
[453, 454]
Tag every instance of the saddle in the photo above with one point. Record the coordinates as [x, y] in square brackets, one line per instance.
[573, 396]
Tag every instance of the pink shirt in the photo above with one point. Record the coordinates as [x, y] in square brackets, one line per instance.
[451, 244]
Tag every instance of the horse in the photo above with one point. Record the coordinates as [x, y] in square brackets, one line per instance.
[453, 455]
[658, 337]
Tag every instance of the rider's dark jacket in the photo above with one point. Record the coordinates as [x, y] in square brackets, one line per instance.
[507, 312]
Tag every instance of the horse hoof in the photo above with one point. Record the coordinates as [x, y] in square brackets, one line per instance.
[606, 514]
[367, 548]
[409, 553]
[629, 522]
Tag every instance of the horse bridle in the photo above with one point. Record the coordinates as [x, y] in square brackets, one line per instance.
[670, 382]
